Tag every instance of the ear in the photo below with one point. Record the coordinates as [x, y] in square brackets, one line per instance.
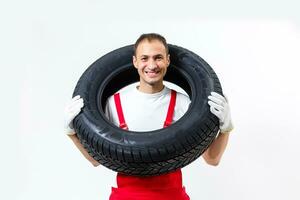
[134, 61]
[168, 59]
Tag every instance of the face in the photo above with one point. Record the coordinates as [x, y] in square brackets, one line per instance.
[151, 61]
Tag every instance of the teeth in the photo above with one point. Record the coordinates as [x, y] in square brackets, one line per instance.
[150, 72]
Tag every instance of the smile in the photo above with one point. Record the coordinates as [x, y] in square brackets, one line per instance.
[152, 73]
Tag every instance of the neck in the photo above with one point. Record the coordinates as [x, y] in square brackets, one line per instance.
[150, 89]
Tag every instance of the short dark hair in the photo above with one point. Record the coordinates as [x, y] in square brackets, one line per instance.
[150, 37]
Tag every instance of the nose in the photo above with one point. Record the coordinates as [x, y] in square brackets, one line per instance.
[152, 64]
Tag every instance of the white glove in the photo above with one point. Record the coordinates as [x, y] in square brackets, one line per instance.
[219, 106]
[71, 110]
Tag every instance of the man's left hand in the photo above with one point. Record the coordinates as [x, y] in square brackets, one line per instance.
[219, 106]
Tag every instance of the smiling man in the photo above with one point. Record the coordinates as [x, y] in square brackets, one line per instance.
[146, 108]
[151, 59]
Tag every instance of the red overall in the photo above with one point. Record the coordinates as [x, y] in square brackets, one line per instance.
[162, 187]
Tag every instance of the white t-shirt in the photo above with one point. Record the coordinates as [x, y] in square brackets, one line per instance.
[146, 112]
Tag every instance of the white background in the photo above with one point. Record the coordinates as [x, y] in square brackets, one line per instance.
[253, 46]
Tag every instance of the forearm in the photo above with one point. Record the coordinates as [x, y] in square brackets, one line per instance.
[84, 152]
[215, 151]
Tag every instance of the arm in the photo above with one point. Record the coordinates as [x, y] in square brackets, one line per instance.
[84, 152]
[72, 109]
[219, 106]
[214, 153]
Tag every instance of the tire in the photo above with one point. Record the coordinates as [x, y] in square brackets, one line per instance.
[154, 152]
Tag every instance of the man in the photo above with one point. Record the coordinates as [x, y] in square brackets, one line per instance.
[145, 108]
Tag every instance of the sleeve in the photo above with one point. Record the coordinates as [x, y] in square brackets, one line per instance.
[182, 105]
[108, 110]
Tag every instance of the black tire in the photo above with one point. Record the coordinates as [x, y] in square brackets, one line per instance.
[153, 152]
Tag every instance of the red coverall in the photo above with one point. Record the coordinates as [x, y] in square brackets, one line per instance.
[162, 187]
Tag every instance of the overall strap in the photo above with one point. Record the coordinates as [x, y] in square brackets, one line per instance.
[122, 122]
[170, 113]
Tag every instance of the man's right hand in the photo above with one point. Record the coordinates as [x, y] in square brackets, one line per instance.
[71, 111]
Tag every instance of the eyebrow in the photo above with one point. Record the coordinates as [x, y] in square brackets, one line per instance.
[153, 55]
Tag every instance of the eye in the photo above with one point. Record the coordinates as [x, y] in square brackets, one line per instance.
[159, 58]
[143, 58]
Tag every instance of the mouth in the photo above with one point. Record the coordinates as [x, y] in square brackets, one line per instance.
[152, 73]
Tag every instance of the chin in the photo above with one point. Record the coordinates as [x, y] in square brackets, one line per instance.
[153, 83]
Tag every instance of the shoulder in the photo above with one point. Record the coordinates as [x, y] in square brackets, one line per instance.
[124, 92]
[183, 97]
[181, 106]
[180, 97]
[182, 100]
